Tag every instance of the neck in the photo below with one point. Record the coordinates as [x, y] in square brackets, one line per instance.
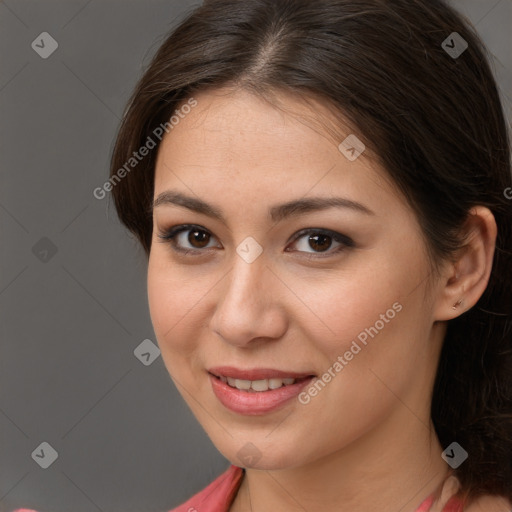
[373, 473]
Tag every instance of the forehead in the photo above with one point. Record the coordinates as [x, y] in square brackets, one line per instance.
[239, 143]
[235, 111]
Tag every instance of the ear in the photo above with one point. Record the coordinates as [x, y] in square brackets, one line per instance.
[464, 279]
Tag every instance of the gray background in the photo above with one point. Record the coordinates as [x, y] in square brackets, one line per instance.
[70, 321]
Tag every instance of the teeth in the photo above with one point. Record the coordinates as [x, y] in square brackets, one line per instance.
[257, 385]
[242, 384]
[260, 385]
[275, 383]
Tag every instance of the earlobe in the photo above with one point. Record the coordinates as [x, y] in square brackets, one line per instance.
[460, 302]
[465, 279]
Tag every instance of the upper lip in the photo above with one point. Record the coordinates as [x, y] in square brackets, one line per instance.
[256, 373]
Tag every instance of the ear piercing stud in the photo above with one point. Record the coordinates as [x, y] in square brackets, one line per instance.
[457, 304]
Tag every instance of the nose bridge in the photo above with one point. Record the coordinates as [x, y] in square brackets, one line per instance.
[247, 308]
[246, 287]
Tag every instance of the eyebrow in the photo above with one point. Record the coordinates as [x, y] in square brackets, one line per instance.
[277, 212]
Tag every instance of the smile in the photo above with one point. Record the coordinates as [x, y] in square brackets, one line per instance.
[255, 392]
[257, 385]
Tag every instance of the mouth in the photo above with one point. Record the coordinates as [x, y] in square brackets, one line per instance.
[257, 391]
[257, 386]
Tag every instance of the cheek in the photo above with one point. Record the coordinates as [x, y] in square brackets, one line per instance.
[338, 306]
[371, 314]
[382, 351]
[175, 307]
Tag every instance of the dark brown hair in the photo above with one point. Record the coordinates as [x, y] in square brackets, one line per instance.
[434, 119]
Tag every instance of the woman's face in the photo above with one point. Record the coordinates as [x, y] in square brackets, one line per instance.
[268, 281]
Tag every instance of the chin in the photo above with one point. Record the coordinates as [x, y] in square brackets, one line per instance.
[262, 453]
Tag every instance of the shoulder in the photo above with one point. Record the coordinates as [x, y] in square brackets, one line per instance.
[489, 503]
[217, 495]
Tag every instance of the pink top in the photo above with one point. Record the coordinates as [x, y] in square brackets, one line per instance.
[220, 494]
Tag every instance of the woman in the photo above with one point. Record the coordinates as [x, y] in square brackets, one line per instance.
[323, 191]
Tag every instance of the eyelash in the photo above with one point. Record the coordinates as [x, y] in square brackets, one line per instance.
[169, 236]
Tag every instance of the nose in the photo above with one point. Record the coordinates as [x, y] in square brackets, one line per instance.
[250, 305]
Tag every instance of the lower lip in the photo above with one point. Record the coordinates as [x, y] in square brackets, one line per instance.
[258, 402]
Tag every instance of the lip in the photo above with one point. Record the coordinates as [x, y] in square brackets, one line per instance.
[260, 402]
[256, 373]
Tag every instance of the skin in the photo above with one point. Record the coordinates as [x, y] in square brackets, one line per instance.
[365, 442]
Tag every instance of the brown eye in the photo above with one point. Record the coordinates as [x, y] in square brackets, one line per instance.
[317, 241]
[198, 239]
[320, 243]
[189, 239]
